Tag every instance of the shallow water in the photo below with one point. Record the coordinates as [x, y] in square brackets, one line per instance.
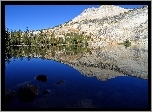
[77, 90]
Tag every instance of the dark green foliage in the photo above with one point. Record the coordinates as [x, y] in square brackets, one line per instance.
[43, 51]
[127, 43]
[28, 38]
[7, 37]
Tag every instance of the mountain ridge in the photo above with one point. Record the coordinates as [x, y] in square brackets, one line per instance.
[108, 24]
[102, 11]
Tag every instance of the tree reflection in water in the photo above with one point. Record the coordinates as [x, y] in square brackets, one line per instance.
[104, 63]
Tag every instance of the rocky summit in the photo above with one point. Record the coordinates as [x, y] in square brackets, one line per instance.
[108, 24]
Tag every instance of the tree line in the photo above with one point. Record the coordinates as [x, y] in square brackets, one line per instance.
[43, 51]
[27, 37]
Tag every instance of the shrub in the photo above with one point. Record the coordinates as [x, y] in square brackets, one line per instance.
[127, 43]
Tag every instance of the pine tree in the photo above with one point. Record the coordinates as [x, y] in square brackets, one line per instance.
[7, 37]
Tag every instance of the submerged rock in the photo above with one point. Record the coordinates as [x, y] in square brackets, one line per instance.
[28, 92]
[9, 95]
[60, 81]
[46, 92]
[42, 78]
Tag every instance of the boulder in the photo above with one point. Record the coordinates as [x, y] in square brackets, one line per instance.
[60, 81]
[28, 92]
[9, 95]
[46, 92]
[42, 78]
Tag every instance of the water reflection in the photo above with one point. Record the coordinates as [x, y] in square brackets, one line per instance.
[65, 87]
[104, 63]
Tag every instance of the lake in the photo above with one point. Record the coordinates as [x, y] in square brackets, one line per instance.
[112, 77]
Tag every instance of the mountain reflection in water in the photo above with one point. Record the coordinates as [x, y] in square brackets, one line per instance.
[70, 88]
[104, 63]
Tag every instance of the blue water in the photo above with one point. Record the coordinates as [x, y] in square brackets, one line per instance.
[77, 90]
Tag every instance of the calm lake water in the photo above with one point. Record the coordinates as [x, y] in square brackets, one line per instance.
[77, 90]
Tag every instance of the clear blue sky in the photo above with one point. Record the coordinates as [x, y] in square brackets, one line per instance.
[37, 17]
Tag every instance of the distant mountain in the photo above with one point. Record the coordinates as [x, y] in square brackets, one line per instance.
[108, 24]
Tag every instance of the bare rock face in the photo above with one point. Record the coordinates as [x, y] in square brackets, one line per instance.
[107, 24]
[9, 95]
[98, 13]
[28, 93]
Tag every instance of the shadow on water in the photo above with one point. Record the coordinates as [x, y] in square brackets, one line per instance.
[66, 87]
